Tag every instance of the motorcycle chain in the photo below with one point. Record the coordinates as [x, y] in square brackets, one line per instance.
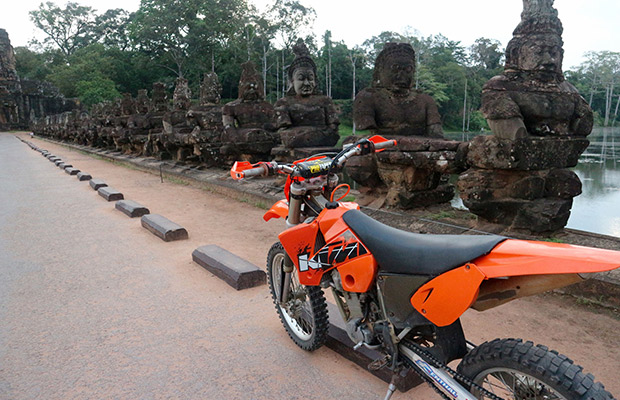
[438, 364]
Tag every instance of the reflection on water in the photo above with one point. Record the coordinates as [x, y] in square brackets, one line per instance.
[597, 209]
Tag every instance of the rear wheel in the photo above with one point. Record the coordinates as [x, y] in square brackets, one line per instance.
[304, 312]
[513, 370]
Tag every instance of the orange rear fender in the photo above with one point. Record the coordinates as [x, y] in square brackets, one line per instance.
[446, 297]
[524, 257]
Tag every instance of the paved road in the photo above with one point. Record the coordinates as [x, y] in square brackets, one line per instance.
[94, 306]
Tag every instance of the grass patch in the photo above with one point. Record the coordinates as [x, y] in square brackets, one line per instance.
[174, 179]
[554, 240]
[257, 204]
[347, 130]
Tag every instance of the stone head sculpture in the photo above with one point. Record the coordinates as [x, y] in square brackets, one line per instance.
[395, 68]
[250, 83]
[302, 75]
[160, 98]
[142, 102]
[182, 95]
[210, 89]
[127, 104]
[536, 46]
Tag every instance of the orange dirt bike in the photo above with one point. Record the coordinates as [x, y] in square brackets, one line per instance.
[402, 293]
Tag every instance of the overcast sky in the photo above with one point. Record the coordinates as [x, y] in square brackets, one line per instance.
[588, 25]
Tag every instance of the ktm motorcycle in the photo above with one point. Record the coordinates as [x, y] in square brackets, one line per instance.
[402, 293]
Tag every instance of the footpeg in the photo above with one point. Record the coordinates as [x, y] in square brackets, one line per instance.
[378, 363]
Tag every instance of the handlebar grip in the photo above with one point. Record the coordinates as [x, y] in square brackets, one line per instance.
[258, 171]
[385, 145]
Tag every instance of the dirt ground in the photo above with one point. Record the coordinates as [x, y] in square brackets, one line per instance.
[589, 337]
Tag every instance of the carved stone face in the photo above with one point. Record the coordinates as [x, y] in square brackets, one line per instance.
[304, 81]
[543, 57]
[400, 74]
[250, 91]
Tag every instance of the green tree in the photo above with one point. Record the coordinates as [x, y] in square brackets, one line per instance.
[178, 33]
[112, 28]
[96, 89]
[67, 29]
[598, 79]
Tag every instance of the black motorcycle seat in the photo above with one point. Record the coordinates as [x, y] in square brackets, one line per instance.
[402, 252]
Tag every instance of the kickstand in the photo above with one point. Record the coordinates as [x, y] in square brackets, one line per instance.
[391, 388]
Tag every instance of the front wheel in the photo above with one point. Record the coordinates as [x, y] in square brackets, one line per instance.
[513, 370]
[304, 312]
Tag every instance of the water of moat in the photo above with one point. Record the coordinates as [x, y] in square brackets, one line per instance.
[597, 209]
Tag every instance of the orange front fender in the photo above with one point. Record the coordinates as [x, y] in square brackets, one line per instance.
[278, 210]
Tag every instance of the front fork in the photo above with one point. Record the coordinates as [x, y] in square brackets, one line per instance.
[294, 218]
[287, 268]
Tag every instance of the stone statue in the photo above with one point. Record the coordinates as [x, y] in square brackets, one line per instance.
[539, 123]
[391, 107]
[206, 121]
[531, 97]
[160, 98]
[249, 121]
[174, 142]
[304, 117]
[143, 103]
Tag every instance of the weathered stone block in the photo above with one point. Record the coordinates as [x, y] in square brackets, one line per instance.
[163, 228]
[408, 177]
[363, 169]
[423, 198]
[131, 208]
[72, 171]
[491, 152]
[96, 184]
[83, 176]
[232, 269]
[480, 185]
[563, 184]
[440, 161]
[110, 194]
[540, 215]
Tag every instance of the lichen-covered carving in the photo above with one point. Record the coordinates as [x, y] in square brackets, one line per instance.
[539, 122]
[392, 108]
[249, 129]
[206, 121]
[304, 117]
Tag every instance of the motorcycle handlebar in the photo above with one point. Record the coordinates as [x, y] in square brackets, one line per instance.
[385, 145]
[258, 171]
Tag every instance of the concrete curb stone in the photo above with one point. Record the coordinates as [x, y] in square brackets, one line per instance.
[110, 194]
[163, 228]
[96, 184]
[229, 267]
[131, 208]
[83, 176]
